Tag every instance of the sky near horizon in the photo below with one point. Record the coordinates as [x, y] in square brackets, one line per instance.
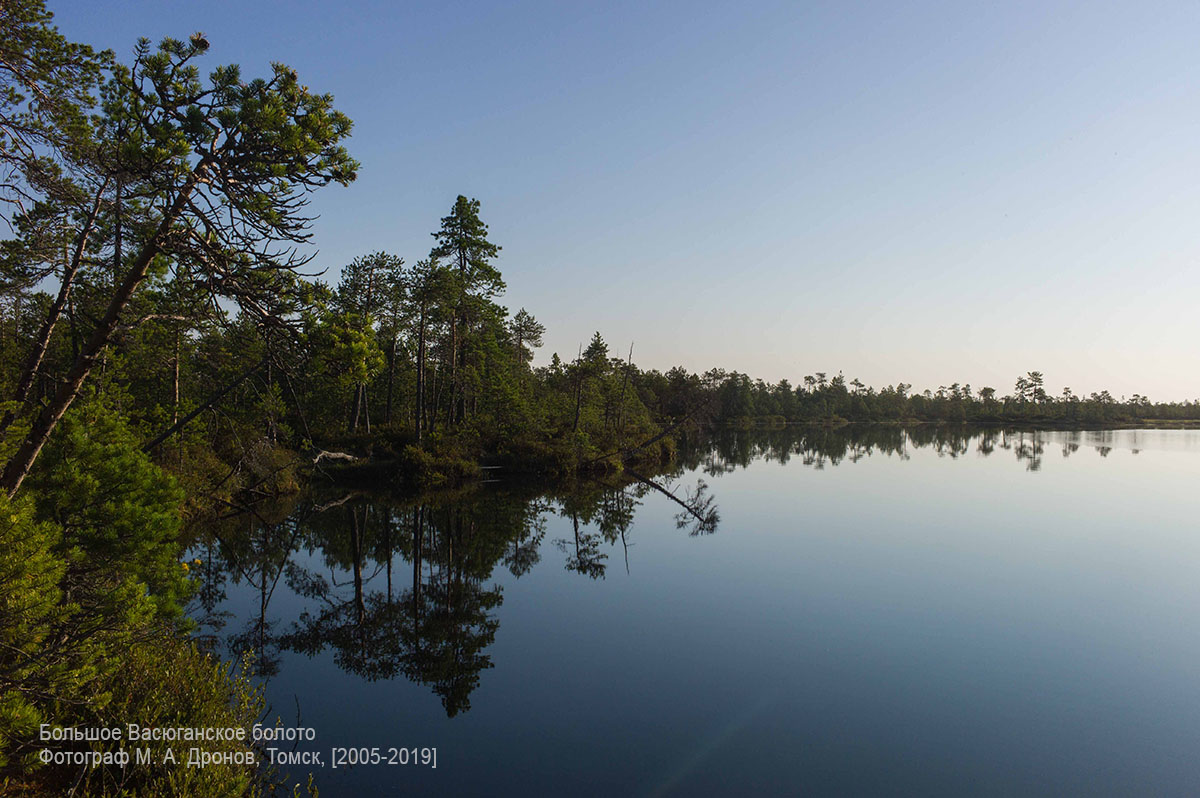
[921, 192]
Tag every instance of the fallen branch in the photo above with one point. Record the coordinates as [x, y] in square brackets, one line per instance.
[323, 455]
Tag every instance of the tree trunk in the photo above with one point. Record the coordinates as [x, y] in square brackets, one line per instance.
[212, 400]
[387, 414]
[453, 369]
[117, 236]
[19, 464]
[578, 400]
[624, 382]
[421, 377]
[356, 546]
[175, 394]
[355, 405]
[287, 380]
[34, 360]
[74, 329]
[418, 553]
[436, 398]
[175, 382]
[460, 389]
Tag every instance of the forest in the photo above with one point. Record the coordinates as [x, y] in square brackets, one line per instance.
[169, 346]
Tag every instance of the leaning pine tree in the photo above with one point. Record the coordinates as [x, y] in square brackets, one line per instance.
[216, 173]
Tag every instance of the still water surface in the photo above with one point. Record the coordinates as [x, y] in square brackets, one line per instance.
[822, 612]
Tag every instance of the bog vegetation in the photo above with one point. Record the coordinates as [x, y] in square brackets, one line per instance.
[164, 349]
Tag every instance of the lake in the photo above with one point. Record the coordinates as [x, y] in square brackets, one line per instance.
[859, 610]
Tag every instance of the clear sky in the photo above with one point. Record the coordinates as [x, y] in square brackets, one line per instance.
[918, 192]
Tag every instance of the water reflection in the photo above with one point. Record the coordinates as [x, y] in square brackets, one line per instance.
[818, 447]
[392, 587]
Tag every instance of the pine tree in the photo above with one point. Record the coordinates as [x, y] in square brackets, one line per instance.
[225, 169]
[462, 242]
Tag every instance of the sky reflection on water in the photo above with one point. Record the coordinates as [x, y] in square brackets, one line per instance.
[874, 611]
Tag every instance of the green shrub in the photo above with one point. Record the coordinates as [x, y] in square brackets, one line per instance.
[166, 681]
[119, 513]
[31, 611]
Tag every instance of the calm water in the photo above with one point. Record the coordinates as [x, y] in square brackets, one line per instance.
[932, 612]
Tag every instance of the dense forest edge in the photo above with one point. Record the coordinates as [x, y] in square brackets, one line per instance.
[167, 347]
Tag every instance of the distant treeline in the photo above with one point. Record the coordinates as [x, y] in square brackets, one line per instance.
[821, 398]
[164, 343]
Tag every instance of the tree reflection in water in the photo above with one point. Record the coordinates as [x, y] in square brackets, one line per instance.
[405, 586]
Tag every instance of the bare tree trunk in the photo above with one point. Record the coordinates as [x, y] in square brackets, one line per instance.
[578, 402]
[387, 415]
[287, 380]
[355, 405]
[436, 397]
[421, 377]
[624, 382]
[578, 387]
[453, 369]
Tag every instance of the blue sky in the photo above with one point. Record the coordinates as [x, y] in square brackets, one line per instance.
[926, 192]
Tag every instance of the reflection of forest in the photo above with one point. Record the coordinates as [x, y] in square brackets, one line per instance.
[730, 449]
[403, 586]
